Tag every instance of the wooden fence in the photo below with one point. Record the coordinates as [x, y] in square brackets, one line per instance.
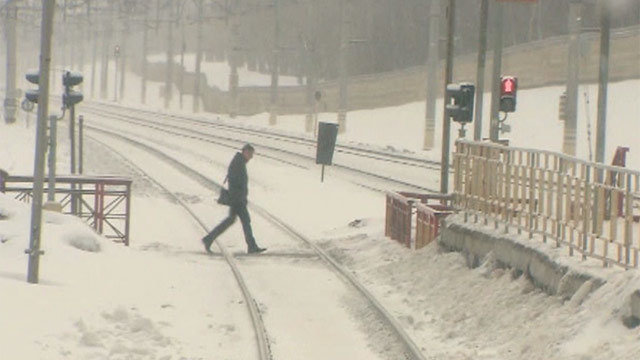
[590, 208]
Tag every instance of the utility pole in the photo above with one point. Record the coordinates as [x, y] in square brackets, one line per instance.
[448, 78]
[482, 60]
[233, 55]
[53, 140]
[275, 65]
[145, 41]
[343, 63]
[603, 80]
[80, 145]
[124, 51]
[64, 43]
[310, 43]
[573, 70]
[183, 48]
[116, 58]
[196, 83]
[494, 133]
[104, 64]
[157, 17]
[10, 100]
[273, 111]
[116, 52]
[94, 59]
[93, 33]
[84, 37]
[168, 83]
[46, 31]
[433, 62]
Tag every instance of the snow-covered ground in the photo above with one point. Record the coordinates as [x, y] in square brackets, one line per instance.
[159, 299]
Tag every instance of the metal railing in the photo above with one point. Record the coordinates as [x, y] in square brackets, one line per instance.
[104, 202]
[590, 208]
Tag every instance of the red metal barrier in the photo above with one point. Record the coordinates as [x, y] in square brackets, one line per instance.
[428, 222]
[108, 216]
[619, 159]
[399, 217]
[398, 220]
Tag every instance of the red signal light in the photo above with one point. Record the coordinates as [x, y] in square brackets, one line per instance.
[509, 85]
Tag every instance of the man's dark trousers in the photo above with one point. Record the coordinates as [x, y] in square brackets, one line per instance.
[239, 210]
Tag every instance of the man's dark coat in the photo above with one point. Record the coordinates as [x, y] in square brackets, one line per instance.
[238, 180]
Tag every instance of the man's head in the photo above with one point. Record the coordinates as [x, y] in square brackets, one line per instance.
[247, 152]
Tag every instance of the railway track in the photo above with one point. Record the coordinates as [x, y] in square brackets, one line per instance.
[409, 349]
[406, 172]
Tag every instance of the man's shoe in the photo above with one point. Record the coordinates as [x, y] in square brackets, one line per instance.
[256, 250]
[207, 245]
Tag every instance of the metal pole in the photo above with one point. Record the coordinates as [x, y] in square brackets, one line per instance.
[497, 65]
[169, 66]
[157, 16]
[233, 53]
[183, 48]
[196, 83]
[46, 31]
[72, 138]
[603, 80]
[433, 60]
[115, 78]
[80, 159]
[123, 59]
[605, 24]
[10, 101]
[53, 139]
[273, 113]
[80, 143]
[309, 64]
[573, 68]
[104, 64]
[482, 59]
[448, 78]
[145, 35]
[344, 44]
[94, 34]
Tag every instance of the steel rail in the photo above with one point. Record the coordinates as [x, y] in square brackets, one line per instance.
[345, 148]
[199, 135]
[410, 347]
[262, 339]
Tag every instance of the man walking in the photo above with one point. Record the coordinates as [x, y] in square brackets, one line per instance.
[238, 191]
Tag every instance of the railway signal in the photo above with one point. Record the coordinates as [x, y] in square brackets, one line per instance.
[70, 96]
[508, 90]
[461, 109]
[32, 94]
